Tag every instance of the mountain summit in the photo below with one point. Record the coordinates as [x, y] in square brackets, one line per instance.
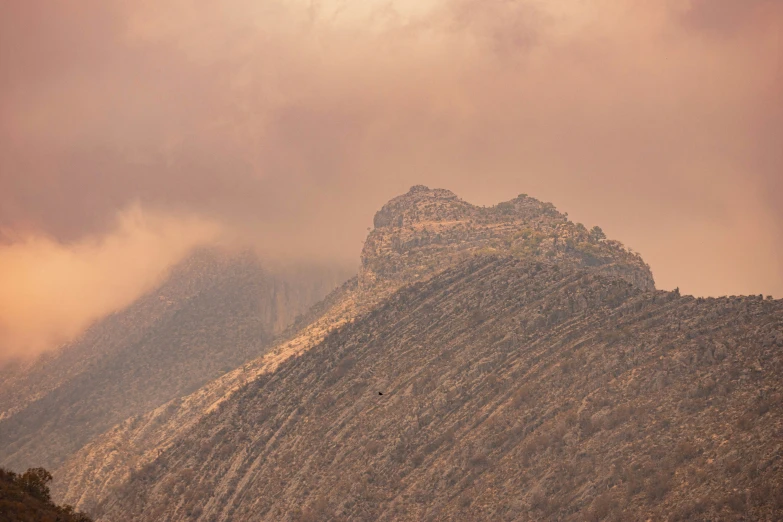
[421, 233]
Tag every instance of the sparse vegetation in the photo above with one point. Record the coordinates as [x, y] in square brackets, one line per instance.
[25, 498]
[597, 234]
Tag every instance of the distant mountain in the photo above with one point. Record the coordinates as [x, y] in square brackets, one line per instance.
[215, 312]
[497, 363]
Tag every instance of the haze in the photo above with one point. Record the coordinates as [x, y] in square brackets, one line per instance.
[288, 124]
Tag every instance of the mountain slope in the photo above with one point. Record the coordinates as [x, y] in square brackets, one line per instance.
[512, 390]
[417, 235]
[94, 472]
[215, 312]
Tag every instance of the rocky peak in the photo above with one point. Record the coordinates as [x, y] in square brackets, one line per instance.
[425, 231]
[421, 204]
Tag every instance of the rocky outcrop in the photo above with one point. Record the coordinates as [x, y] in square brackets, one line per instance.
[425, 231]
[421, 204]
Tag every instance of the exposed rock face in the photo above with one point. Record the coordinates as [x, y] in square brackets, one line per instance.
[215, 312]
[512, 390]
[421, 204]
[422, 232]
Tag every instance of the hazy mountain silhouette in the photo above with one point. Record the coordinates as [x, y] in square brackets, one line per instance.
[213, 313]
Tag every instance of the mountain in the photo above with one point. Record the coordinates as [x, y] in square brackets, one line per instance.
[495, 363]
[215, 312]
[417, 235]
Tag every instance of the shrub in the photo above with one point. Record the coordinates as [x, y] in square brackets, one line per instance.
[522, 396]
[417, 459]
[745, 422]
[479, 462]
[373, 447]
[596, 233]
[538, 498]
[26, 497]
[35, 481]
[685, 450]
[601, 507]
[691, 511]
[763, 405]
[659, 485]
[736, 502]
[733, 467]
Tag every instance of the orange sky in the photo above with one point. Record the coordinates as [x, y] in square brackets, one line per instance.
[288, 123]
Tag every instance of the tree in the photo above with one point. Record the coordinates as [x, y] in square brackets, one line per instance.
[36, 482]
[26, 497]
[597, 234]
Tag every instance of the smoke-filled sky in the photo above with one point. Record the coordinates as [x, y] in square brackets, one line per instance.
[133, 129]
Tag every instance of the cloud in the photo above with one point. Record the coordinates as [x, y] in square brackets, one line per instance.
[292, 122]
[724, 18]
[50, 291]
